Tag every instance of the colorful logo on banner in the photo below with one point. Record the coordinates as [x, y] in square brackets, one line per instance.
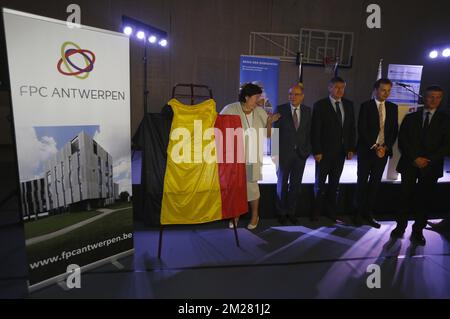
[70, 68]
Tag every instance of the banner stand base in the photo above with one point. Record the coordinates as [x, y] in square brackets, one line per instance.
[61, 279]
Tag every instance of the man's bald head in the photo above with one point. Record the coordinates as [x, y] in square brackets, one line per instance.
[296, 95]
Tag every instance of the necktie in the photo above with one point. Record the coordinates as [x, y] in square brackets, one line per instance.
[295, 118]
[338, 111]
[425, 126]
[380, 114]
[426, 123]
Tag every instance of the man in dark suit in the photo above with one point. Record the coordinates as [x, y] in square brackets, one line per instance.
[444, 225]
[333, 140]
[294, 147]
[377, 133]
[424, 140]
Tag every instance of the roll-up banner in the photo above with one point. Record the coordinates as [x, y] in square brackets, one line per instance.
[70, 90]
[406, 96]
[263, 72]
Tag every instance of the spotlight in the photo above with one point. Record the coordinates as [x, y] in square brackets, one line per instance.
[128, 30]
[163, 43]
[446, 53]
[144, 32]
[433, 54]
[140, 35]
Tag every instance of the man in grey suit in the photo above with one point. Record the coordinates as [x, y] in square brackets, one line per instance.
[294, 146]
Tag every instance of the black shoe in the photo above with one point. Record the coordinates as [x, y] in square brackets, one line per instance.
[398, 232]
[282, 219]
[292, 219]
[441, 226]
[356, 220]
[417, 238]
[315, 215]
[372, 222]
[335, 219]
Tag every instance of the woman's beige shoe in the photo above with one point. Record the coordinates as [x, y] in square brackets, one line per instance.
[251, 226]
[230, 224]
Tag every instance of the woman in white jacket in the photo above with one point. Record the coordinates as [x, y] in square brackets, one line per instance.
[252, 118]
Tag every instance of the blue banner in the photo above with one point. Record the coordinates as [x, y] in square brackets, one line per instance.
[408, 75]
[263, 72]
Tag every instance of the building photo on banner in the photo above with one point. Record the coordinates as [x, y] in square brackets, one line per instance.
[72, 127]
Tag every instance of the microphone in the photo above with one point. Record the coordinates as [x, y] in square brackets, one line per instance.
[403, 84]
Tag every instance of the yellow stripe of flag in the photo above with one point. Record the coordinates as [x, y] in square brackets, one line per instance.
[191, 188]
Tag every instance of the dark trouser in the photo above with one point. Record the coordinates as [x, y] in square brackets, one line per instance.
[290, 175]
[425, 188]
[370, 172]
[331, 166]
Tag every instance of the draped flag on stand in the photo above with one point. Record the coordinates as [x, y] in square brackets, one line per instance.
[192, 175]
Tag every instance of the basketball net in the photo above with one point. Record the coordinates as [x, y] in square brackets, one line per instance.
[330, 64]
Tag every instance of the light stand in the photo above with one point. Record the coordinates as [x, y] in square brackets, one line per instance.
[146, 90]
[152, 35]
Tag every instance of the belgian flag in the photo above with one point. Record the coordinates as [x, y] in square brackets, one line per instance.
[187, 175]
